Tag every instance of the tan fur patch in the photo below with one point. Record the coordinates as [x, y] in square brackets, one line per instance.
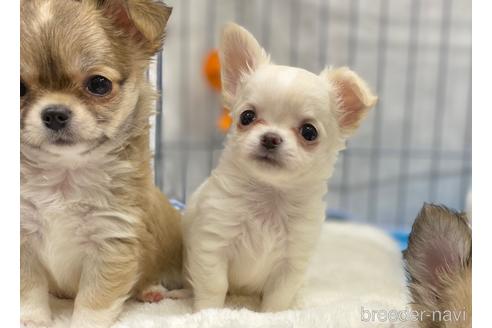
[439, 265]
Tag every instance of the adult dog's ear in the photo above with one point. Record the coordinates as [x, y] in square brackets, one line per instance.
[438, 257]
[143, 21]
[354, 98]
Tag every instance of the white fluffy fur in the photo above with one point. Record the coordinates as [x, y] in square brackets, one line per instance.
[252, 226]
[352, 266]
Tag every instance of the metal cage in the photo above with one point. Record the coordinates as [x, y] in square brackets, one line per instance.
[414, 147]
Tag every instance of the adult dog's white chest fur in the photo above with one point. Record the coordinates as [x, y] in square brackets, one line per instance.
[259, 231]
[66, 211]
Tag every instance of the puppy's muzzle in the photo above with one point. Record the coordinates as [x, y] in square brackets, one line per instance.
[56, 117]
[271, 141]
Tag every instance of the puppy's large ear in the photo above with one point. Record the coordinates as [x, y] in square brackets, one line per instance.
[439, 250]
[354, 98]
[143, 21]
[240, 54]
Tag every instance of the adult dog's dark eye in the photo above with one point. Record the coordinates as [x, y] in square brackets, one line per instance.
[308, 132]
[99, 85]
[23, 89]
[247, 117]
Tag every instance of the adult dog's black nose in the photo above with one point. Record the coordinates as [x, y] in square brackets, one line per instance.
[271, 140]
[56, 117]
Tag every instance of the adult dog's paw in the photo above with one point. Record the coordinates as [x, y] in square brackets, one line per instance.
[35, 316]
[152, 294]
[29, 322]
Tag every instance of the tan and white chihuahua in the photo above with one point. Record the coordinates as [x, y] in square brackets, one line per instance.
[253, 224]
[93, 225]
[439, 265]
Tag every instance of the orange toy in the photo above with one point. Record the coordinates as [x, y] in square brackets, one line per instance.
[211, 71]
[225, 120]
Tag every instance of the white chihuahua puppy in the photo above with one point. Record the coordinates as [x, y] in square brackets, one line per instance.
[251, 227]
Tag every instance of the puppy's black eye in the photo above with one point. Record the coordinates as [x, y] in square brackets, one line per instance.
[247, 117]
[99, 85]
[23, 89]
[308, 132]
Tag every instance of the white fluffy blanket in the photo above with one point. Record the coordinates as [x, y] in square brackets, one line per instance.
[355, 267]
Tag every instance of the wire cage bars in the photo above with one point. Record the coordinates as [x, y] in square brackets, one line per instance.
[414, 147]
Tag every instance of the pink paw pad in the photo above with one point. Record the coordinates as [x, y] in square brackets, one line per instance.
[152, 297]
[152, 294]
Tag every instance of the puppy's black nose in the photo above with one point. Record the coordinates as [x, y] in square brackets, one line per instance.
[271, 140]
[56, 117]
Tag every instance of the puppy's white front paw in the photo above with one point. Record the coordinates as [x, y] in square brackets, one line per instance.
[89, 318]
[272, 308]
[274, 304]
[215, 301]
